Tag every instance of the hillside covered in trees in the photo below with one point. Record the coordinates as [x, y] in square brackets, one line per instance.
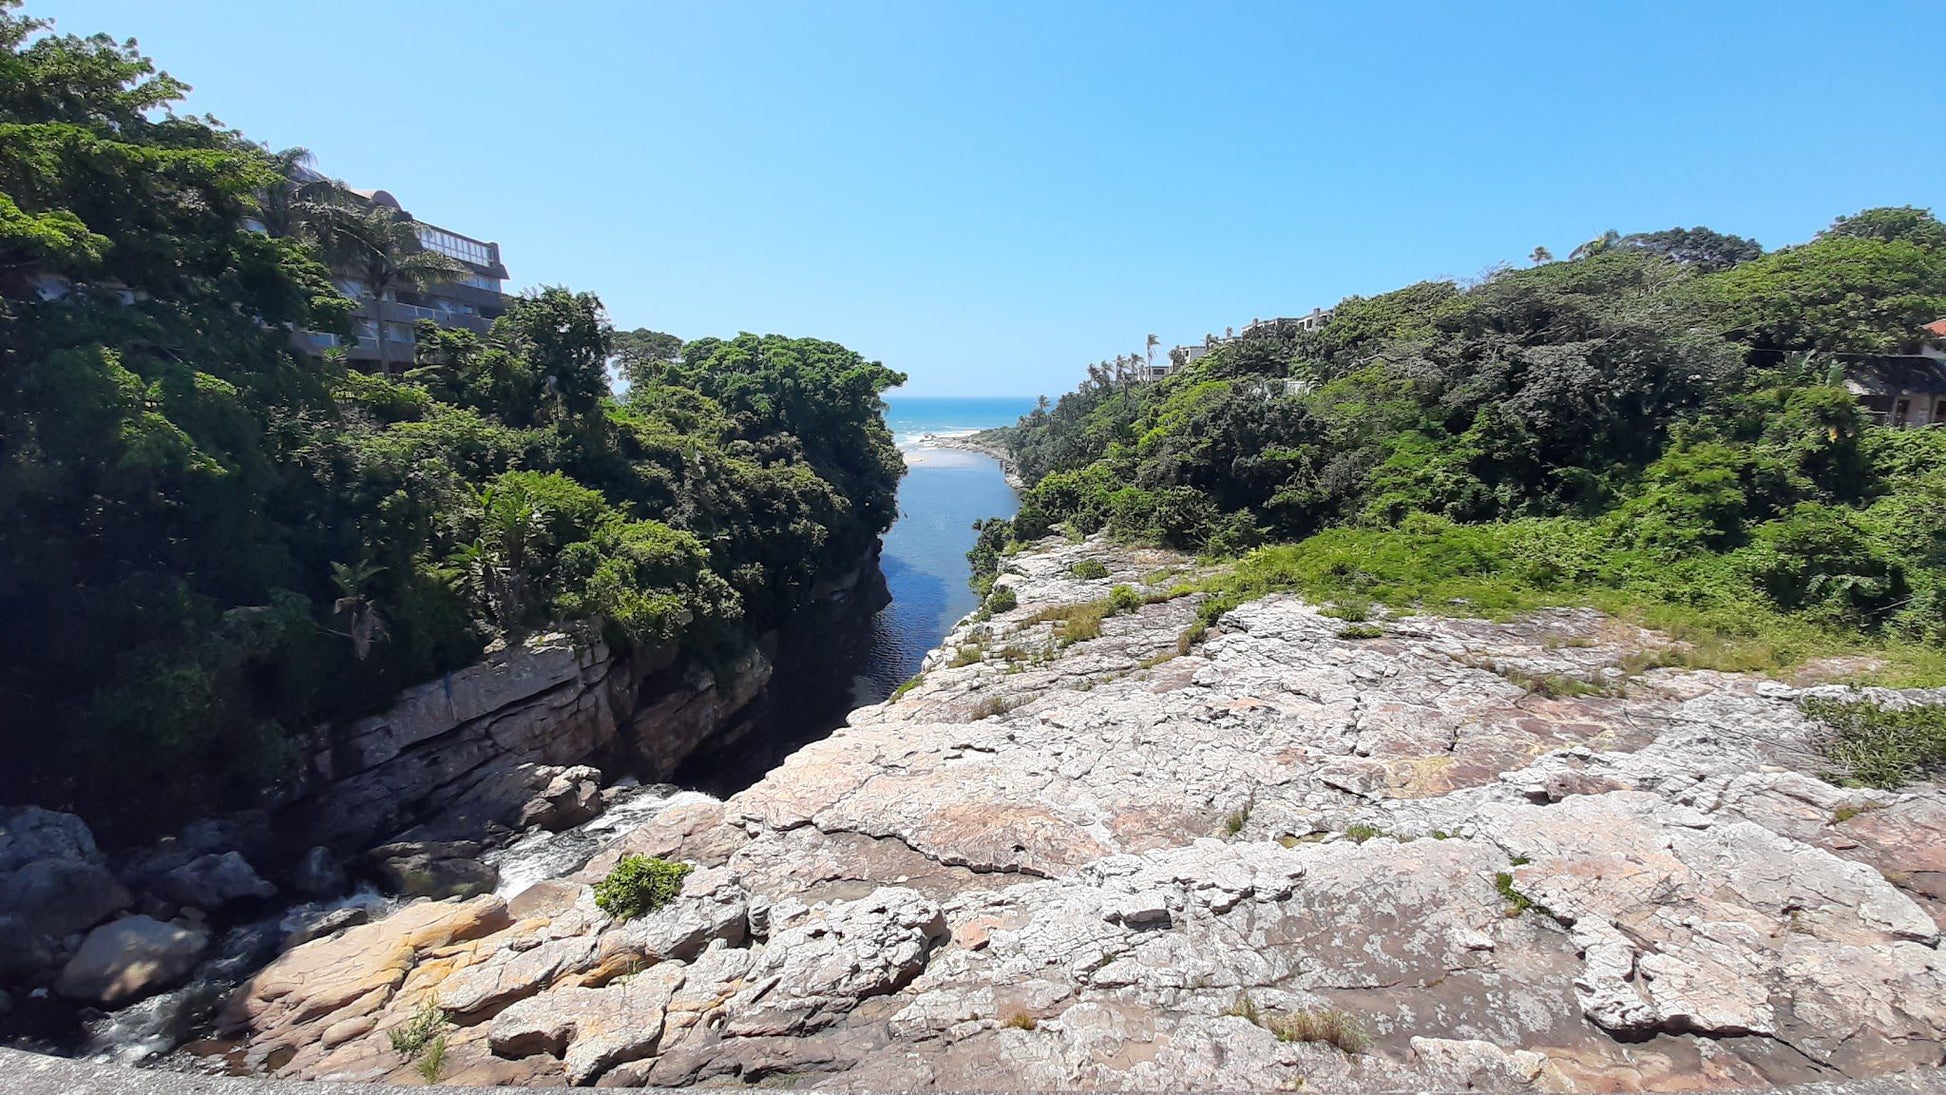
[214, 541]
[1657, 425]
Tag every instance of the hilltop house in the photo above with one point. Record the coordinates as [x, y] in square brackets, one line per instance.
[473, 302]
[1904, 391]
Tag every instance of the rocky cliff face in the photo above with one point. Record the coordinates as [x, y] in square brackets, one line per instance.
[452, 756]
[1110, 863]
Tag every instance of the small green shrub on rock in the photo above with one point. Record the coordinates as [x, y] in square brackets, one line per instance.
[640, 884]
[419, 1033]
[1089, 569]
[1124, 599]
[1002, 599]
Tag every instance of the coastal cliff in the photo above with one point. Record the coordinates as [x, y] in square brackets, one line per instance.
[1287, 852]
[454, 756]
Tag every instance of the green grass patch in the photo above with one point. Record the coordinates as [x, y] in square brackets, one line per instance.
[1074, 623]
[1719, 618]
[1883, 747]
[639, 885]
[1359, 832]
[1361, 631]
[1089, 570]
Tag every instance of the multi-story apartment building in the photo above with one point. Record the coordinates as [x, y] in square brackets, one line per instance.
[472, 303]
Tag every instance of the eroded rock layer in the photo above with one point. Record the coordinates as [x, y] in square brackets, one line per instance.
[1125, 863]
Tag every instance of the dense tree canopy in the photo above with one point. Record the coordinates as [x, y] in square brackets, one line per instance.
[1660, 412]
[216, 541]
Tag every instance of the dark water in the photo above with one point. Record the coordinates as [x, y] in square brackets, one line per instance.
[925, 570]
[943, 493]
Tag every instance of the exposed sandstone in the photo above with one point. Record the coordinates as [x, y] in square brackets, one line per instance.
[1109, 864]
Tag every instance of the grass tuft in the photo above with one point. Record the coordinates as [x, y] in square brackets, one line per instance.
[1328, 1026]
[1517, 902]
[1883, 747]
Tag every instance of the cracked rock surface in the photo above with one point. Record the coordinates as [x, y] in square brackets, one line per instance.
[1125, 863]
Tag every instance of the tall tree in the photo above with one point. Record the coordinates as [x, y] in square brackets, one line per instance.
[641, 354]
[1699, 247]
[1541, 255]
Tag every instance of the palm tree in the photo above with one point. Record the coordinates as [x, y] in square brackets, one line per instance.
[379, 247]
[1540, 255]
[1153, 342]
[286, 206]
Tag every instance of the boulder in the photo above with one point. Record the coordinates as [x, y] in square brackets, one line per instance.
[212, 881]
[29, 834]
[817, 969]
[567, 797]
[435, 869]
[129, 959]
[591, 1030]
[318, 874]
[57, 897]
[53, 883]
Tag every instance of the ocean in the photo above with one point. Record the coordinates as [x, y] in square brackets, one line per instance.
[943, 493]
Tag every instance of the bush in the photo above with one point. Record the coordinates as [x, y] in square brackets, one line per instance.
[1124, 599]
[420, 1033]
[1002, 599]
[1883, 747]
[1089, 570]
[638, 885]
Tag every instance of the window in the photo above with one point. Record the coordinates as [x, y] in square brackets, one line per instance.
[1901, 410]
[1939, 411]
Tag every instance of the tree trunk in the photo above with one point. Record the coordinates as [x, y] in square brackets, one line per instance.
[378, 322]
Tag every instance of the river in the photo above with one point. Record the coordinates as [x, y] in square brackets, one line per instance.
[943, 493]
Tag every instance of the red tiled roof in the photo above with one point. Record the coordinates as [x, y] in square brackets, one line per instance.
[1937, 327]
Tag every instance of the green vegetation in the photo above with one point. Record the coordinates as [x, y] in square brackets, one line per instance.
[1517, 902]
[1328, 1026]
[1361, 631]
[1002, 599]
[639, 885]
[1657, 427]
[1089, 569]
[1883, 747]
[1358, 832]
[417, 1035]
[1020, 1020]
[217, 540]
[432, 1062]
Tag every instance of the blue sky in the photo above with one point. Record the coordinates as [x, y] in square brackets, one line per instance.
[987, 196]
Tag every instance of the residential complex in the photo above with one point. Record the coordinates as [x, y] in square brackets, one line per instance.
[1284, 327]
[473, 303]
[1904, 391]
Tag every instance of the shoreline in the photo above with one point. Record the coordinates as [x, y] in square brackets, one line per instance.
[965, 443]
